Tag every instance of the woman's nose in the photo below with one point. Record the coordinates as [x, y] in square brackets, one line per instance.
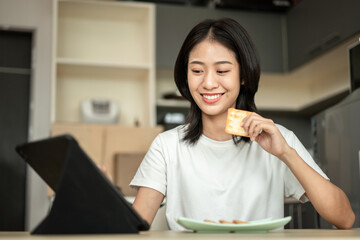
[210, 81]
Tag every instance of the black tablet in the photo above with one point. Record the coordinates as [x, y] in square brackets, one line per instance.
[85, 201]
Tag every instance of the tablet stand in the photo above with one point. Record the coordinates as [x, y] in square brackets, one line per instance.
[86, 201]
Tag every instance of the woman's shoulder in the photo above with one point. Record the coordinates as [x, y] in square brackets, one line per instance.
[169, 140]
[284, 131]
[289, 135]
[176, 133]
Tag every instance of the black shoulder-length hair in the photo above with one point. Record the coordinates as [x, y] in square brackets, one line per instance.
[232, 35]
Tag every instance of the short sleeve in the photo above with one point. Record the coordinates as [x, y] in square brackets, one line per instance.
[152, 170]
[293, 188]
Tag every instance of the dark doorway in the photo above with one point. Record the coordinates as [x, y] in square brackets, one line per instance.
[15, 75]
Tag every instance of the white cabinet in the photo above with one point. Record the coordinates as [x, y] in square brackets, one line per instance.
[104, 49]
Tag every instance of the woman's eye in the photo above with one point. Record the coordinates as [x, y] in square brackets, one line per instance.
[223, 72]
[196, 71]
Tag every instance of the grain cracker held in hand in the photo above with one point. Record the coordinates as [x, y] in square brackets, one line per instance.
[234, 121]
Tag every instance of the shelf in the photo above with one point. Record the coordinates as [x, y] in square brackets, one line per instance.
[102, 72]
[105, 31]
[129, 89]
[106, 64]
[104, 50]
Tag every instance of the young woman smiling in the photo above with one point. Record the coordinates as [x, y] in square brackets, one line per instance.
[206, 173]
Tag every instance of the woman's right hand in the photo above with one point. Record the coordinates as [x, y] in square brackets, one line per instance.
[266, 134]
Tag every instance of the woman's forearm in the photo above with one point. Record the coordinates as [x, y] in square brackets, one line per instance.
[329, 200]
[147, 203]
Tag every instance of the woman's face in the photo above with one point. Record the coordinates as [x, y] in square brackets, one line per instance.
[213, 77]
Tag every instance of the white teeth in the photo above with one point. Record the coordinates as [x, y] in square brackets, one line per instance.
[211, 96]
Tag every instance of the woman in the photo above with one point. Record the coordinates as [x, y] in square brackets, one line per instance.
[206, 173]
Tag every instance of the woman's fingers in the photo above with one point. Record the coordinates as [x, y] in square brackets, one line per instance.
[254, 125]
[265, 133]
[257, 131]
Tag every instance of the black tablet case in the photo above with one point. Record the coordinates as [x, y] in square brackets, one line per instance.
[85, 201]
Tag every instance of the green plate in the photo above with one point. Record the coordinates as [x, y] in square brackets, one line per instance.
[262, 225]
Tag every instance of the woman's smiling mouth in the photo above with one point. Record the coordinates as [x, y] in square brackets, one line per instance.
[211, 98]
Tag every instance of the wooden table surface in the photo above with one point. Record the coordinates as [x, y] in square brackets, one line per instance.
[152, 235]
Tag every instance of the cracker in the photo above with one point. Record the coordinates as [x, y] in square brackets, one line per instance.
[225, 222]
[209, 221]
[239, 222]
[234, 121]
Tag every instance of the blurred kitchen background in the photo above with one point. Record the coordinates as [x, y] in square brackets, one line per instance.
[103, 71]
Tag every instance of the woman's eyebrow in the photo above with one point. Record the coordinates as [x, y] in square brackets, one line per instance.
[196, 62]
[223, 62]
[216, 63]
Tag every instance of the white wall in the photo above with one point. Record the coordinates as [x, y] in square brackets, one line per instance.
[35, 16]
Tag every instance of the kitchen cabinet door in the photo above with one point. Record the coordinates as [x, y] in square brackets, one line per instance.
[314, 27]
[174, 22]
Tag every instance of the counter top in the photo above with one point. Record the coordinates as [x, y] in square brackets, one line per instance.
[155, 235]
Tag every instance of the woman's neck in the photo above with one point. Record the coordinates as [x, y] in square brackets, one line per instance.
[214, 127]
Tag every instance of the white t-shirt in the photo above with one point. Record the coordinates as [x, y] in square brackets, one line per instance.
[219, 180]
